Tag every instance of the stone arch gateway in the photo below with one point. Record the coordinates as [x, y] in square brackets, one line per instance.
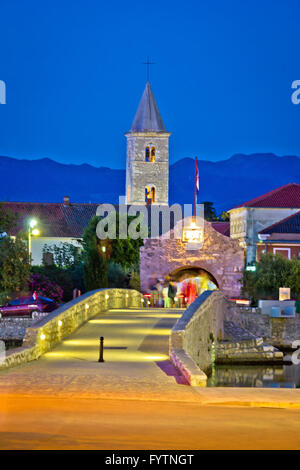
[185, 272]
[220, 256]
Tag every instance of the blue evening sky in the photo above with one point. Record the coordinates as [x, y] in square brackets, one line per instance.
[222, 78]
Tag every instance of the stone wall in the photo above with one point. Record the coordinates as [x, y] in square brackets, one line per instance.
[14, 328]
[192, 337]
[212, 329]
[279, 332]
[242, 346]
[49, 331]
[220, 256]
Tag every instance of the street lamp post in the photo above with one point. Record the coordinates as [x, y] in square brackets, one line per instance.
[31, 231]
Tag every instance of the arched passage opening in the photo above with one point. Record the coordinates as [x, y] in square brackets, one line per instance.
[191, 281]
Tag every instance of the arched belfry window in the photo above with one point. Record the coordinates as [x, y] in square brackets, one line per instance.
[152, 194]
[153, 154]
[149, 195]
[147, 154]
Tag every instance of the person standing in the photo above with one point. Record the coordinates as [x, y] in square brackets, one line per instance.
[172, 291]
[166, 295]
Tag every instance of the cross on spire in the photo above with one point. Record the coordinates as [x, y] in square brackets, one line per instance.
[148, 63]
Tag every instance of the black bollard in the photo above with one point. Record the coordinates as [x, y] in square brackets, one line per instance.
[101, 350]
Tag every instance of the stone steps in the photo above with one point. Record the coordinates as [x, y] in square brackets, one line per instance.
[244, 347]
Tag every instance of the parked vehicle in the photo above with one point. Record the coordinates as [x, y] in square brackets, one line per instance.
[28, 306]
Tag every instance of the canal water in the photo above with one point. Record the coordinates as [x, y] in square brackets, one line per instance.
[285, 376]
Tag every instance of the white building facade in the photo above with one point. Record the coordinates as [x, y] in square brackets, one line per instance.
[248, 219]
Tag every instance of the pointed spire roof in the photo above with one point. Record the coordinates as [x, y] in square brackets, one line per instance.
[148, 118]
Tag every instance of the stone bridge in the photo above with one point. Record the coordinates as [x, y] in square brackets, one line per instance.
[66, 343]
[137, 335]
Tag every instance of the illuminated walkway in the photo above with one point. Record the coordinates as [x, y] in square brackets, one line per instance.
[136, 361]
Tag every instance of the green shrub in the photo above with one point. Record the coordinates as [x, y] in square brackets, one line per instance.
[272, 272]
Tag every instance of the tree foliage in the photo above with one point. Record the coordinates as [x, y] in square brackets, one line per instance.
[98, 254]
[225, 216]
[8, 219]
[63, 255]
[14, 264]
[95, 265]
[126, 252]
[43, 286]
[67, 279]
[272, 272]
[210, 211]
[62, 263]
[127, 278]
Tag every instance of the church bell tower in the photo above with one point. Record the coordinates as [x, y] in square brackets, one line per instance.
[147, 167]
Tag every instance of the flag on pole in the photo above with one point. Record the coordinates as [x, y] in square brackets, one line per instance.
[34, 295]
[196, 185]
[197, 176]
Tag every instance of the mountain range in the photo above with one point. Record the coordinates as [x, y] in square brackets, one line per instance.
[227, 183]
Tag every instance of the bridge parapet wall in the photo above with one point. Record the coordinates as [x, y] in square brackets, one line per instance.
[47, 332]
[195, 335]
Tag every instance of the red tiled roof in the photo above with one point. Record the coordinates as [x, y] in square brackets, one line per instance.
[285, 196]
[290, 224]
[54, 219]
[58, 219]
[222, 227]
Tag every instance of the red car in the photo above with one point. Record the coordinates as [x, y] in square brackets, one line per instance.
[27, 306]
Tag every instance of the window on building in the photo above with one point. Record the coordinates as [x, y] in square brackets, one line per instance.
[149, 195]
[153, 194]
[153, 154]
[147, 190]
[286, 252]
[147, 154]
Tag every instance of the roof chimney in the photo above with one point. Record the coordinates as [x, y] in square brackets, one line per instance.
[66, 200]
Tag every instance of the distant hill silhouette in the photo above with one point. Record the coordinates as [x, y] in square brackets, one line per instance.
[227, 183]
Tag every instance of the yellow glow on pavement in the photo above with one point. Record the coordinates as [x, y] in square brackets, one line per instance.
[146, 332]
[110, 356]
[94, 342]
[159, 315]
[116, 321]
[157, 357]
[54, 354]
[124, 332]
[81, 342]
